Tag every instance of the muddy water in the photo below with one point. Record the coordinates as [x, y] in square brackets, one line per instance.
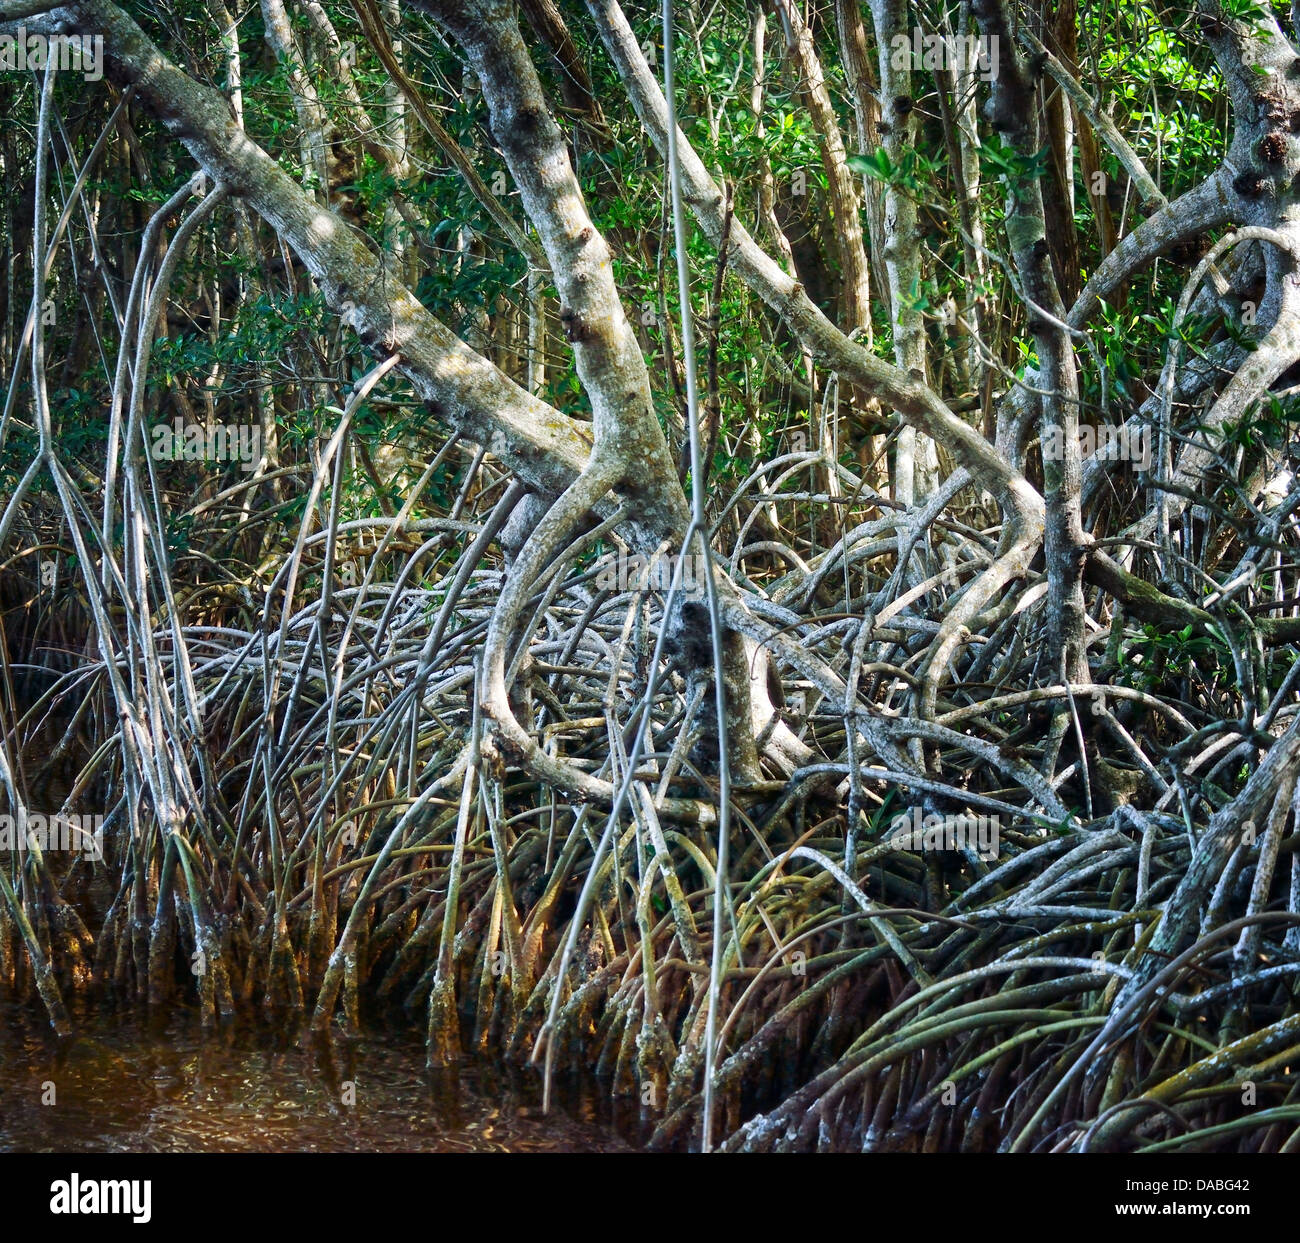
[126, 1084]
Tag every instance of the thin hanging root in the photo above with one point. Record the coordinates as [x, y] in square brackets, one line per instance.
[443, 1024]
[46, 985]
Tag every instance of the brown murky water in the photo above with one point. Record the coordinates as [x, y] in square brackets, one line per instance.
[125, 1083]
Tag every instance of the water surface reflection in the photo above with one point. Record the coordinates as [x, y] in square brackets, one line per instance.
[128, 1083]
